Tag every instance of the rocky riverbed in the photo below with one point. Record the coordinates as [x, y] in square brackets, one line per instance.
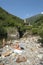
[32, 51]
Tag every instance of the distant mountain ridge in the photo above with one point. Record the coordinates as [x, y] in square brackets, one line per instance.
[35, 18]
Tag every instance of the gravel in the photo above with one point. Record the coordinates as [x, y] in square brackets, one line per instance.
[33, 52]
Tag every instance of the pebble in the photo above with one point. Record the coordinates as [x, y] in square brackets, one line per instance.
[40, 56]
[32, 51]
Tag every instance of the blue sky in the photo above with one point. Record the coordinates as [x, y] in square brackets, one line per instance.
[22, 8]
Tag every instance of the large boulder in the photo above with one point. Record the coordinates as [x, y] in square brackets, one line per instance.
[13, 33]
[21, 59]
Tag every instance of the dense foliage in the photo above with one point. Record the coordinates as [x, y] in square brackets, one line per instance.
[3, 32]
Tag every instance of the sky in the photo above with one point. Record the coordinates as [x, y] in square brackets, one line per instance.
[22, 8]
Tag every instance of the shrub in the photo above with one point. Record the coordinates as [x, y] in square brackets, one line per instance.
[34, 31]
[40, 32]
[3, 32]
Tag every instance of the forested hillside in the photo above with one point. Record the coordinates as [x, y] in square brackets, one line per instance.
[7, 19]
[34, 18]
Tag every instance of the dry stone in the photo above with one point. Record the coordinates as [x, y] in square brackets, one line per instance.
[33, 53]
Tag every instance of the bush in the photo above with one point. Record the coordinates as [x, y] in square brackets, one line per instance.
[34, 31]
[40, 32]
[3, 32]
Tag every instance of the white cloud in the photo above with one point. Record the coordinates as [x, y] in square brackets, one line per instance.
[41, 12]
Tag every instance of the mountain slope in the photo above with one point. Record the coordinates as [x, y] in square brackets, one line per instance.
[35, 19]
[7, 19]
[37, 25]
